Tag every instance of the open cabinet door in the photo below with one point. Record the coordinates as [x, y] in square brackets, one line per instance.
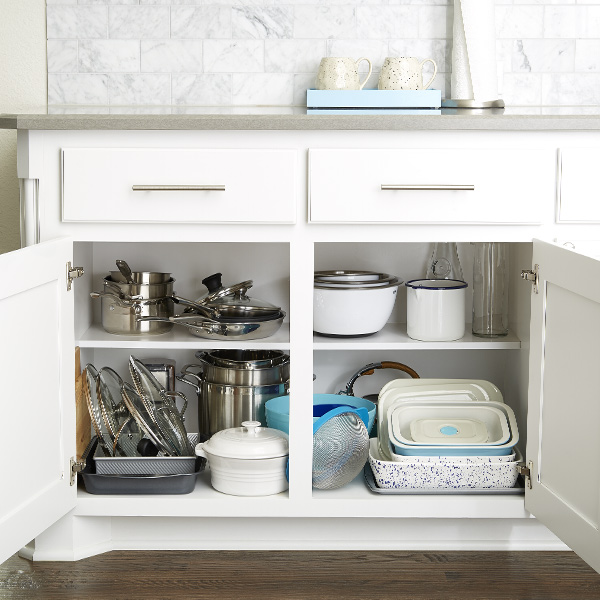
[563, 423]
[37, 402]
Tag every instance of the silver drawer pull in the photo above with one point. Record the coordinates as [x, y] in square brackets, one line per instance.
[451, 187]
[178, 188]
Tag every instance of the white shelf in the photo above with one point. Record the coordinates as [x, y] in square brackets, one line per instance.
[353, 500]
[177, 338]
[394, 337]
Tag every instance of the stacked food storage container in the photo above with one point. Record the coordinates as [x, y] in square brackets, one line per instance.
[452, 434]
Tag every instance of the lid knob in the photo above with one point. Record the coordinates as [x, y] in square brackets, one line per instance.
[213, 282]
[251, 427]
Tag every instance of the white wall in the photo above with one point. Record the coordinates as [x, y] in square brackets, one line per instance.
[23, 87]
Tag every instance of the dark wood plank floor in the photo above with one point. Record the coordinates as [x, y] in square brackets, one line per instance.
[306, 576]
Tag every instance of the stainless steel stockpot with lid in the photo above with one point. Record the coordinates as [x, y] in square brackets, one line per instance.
[233, 385]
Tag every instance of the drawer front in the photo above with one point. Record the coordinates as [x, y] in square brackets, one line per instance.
[178, 185]
[431, 185]
[579, 193]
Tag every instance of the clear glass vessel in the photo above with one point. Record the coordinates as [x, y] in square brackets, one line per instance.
[490, 289]
[444, 262]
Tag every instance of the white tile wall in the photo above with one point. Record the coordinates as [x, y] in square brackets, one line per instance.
[266, 52]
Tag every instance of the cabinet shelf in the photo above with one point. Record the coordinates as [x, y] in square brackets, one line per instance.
[177, 338]
[353, 500]
[394, 337]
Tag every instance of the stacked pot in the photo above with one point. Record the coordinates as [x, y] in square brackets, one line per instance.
[139, 307]
[233, 386]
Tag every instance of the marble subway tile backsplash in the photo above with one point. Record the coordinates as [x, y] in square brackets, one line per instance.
[266, 52]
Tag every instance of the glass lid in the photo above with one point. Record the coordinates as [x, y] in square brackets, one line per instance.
[145, 419]
[233, 300]
[90, 375]
[161, 408]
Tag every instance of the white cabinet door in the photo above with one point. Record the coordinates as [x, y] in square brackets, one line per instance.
[37, 403]
[563, 423]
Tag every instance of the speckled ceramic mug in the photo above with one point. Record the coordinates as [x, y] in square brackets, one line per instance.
[340, 73]
[404, 73]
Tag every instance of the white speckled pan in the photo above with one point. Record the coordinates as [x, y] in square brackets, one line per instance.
[443, 473]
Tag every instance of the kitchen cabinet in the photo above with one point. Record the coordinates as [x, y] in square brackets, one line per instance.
[544, 367]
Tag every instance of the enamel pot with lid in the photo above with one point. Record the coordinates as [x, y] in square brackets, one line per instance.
[247, 461]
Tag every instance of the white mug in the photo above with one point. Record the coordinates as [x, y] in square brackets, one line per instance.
[340, 73]
[404, 73]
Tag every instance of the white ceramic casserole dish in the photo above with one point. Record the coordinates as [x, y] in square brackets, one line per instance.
[247, 461]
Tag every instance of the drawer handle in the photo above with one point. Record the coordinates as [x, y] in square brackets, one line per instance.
[451, 187]
[178, 188]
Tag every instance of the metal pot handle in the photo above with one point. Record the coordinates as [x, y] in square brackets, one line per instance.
[371, 368]
[116, 299]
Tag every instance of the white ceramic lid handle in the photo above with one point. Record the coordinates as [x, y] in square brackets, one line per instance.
[426, 86]
[362, 85]
[200, 450]
[251, 426]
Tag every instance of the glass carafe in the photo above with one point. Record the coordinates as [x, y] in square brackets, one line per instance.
[444, 262]
[490, 289]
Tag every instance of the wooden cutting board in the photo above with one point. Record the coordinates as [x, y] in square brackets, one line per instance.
[82, 415]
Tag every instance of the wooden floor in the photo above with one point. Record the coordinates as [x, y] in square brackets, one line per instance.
[306, 576]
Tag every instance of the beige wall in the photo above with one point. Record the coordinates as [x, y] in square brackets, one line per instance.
[23, 88]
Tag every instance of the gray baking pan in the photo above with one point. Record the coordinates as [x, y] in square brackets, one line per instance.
[370, 481]
[145, 465]
[95, 483]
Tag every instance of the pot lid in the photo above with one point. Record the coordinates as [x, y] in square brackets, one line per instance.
[233, 298]
[248, 441]
[243, 359]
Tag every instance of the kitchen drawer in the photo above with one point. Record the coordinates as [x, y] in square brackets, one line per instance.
[579, 192]
[251, 185]
[499, 185]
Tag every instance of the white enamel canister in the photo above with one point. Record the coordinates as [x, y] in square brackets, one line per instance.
[435, 309]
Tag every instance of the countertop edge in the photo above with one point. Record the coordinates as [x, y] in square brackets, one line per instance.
[250, 122]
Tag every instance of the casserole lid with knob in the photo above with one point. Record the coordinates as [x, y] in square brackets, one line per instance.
[250, 441]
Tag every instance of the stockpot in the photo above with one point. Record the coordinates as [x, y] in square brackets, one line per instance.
[244, 367]
[233, 385]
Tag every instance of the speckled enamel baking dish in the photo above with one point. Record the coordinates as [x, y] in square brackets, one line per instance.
[444, 473]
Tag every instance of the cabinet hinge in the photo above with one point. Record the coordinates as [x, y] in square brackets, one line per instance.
[533, 276]
[76, 467]
[526, 470]
[72, 273]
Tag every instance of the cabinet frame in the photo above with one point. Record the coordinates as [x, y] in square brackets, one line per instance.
[38, 161]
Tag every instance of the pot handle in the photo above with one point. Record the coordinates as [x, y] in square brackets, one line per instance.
[200, 451]
[371, 368]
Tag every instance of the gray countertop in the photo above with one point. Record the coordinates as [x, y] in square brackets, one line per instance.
[298, 118]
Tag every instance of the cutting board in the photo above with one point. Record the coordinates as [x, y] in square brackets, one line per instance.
[82, 416]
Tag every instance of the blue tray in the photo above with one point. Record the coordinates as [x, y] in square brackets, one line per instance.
[428, 99]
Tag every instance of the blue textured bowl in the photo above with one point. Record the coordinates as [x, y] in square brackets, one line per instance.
[278, 409]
